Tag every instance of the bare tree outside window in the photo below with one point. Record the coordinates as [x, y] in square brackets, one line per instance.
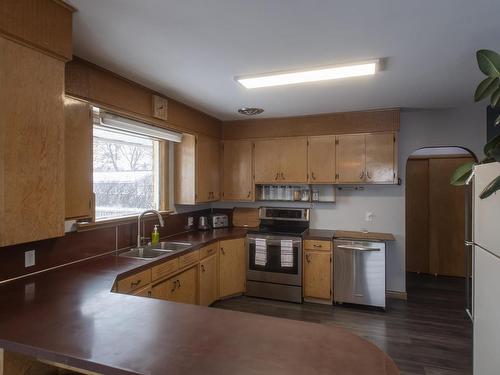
[124, 173]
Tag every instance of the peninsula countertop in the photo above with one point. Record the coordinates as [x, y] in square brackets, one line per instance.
[70, 316]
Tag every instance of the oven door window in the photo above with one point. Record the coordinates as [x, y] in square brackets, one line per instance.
[273, 263]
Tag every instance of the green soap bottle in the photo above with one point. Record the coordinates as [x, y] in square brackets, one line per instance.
[155, 236]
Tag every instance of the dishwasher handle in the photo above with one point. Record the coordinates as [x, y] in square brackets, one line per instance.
[357, 248]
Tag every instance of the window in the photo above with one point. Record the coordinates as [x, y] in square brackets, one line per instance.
[126, 173]
[129, 174]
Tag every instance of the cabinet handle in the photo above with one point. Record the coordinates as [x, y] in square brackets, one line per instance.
[312, 176]
[174, 285]
[249, 194]
[282, 176]
[222, 251]
[276, 177]
[368, 175]
[179, 284]
[149, 293]
[308, 259]
[361, 175]
[135, 283]
[202, 268]
[317, 245]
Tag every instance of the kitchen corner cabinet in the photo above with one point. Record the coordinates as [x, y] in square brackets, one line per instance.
[366, 158]
[78, 158]
[232, 272]
[237, 171]
[281, 160]
[208, 280]
[321, 159]
[317, 276]
[180, 288]
[197, 172]
[31, 145]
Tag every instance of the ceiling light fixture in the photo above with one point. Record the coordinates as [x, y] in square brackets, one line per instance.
[250, 111]
[312, 75]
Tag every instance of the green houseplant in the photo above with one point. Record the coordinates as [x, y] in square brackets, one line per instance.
[489, 63]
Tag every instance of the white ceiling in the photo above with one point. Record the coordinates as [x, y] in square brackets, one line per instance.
[192, 49]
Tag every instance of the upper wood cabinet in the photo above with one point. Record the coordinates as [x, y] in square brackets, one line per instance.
[380, 157]
[197, 161]
[282, 160]
[31, 145]
[78, 158]
[366, 158]
[237, 171]
[351, 158]
[321, 159]
[232, 272]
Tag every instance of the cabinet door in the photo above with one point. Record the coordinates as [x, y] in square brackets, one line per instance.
[321, 159]
[293, 160]
[237, 171]
[351, 158]
[180, 288]
[78, 158]
[31, 145]
[207, 169]
[184, 170]
[232, 273]
[380, 157]
[208, 280]
[317, 274]
[267, 161]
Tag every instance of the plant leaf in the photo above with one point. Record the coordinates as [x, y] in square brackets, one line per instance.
[491, 145]
[485, 88]
[495, 98]
[489, 62]
[491, 188]
[462, 174]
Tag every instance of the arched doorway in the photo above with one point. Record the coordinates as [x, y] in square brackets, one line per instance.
[437, 213]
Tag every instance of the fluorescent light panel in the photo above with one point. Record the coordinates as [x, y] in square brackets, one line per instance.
[313, 75]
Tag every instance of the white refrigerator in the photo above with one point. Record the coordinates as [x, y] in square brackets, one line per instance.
[486, 273]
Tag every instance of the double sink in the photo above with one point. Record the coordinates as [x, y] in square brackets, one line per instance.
[157, 250]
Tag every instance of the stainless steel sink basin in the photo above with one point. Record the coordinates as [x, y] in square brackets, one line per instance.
[172, 246]
[145, 253]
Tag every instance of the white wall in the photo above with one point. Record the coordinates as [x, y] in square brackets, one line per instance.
[465, 127]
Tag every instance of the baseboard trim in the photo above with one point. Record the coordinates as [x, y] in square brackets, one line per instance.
[392, 294]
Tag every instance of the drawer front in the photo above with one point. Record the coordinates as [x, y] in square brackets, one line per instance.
[164, 269]
[188, 259]
[206, 251]
[317, 245]
[134, 282]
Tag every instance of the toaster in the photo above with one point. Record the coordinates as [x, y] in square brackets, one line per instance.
[219, 221]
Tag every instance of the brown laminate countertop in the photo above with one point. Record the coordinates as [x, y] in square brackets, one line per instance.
[364, 235]
[70, 316]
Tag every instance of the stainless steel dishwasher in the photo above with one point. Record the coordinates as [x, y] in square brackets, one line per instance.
[359, 272]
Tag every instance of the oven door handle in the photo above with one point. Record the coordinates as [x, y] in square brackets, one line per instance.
[274, 241]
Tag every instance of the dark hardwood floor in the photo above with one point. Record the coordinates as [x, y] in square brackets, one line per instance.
[429, 333]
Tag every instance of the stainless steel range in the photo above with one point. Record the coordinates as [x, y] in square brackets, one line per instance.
[274, 254]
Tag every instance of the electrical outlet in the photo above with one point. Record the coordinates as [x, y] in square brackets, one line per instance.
[369, 216]
[29, 258]
[190, 221]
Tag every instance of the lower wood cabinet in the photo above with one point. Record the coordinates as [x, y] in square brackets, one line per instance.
[208, 280]
[180, 288]
[232, 274]
[317, 282]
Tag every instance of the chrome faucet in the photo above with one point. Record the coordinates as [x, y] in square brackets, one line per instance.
[139, 219]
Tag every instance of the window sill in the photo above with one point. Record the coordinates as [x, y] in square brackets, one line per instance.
[112, 222]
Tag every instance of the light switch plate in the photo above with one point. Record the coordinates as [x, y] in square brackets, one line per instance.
[190, 221]
[369, 216]
[29, 258]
